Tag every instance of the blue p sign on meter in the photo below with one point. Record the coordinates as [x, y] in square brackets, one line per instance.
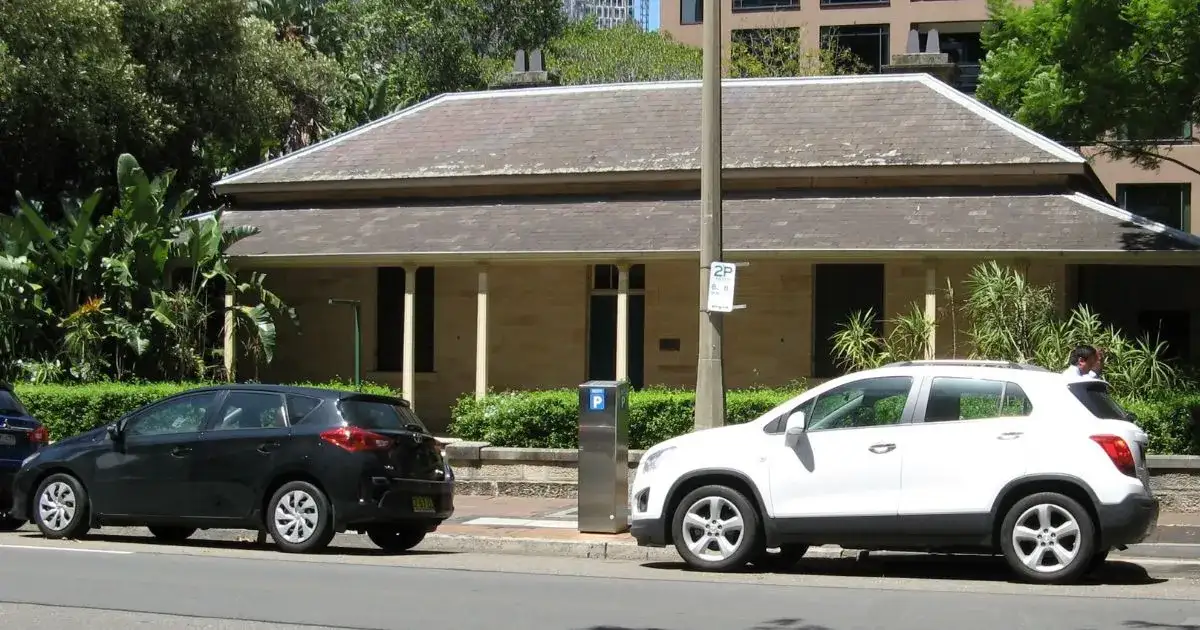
[596, 399]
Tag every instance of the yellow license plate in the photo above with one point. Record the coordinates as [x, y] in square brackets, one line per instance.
[422, 504]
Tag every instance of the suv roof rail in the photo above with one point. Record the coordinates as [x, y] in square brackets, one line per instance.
[1012, 365]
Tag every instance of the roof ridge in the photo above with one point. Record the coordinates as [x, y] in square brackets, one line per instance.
[1129, 217]
[975, 106]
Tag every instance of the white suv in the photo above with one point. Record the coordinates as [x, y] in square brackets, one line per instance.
[940, 456]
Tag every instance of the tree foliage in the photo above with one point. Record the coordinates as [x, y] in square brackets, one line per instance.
[587, 54]
[1117, 74]
[199, 86]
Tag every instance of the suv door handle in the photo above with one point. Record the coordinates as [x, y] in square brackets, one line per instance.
[880, 449]
[180, 451]
[1011, 435]
[267, 447]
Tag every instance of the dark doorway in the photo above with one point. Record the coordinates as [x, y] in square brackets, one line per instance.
[1171, 327]
[838, 292]
[602, 325]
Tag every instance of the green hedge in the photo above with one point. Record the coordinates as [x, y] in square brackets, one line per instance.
[550, 418]
[67, 410]
[1167, 417]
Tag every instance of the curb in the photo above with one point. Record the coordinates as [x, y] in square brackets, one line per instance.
[599, 550]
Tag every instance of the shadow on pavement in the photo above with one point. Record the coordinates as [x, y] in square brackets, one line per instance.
[209, 543]
[1150, 625]
[774, 624]
[941, 567]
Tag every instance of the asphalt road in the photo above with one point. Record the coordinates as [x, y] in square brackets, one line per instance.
[106, 585]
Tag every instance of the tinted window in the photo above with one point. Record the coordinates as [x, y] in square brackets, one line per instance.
[181, 415]
[375, 414]
[299, 407]
[250, 410]
[10, 405]
[866, 403]
[952, 399]
[1095, 397]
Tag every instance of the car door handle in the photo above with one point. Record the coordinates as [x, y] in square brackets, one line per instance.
[267, 447]
[880, 449]
[180, 451]
[1011, 435]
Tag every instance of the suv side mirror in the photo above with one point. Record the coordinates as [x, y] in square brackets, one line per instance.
[116, 431]
[796, 423]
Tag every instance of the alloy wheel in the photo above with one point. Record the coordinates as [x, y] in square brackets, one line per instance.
[1046, 538]
[713, 529]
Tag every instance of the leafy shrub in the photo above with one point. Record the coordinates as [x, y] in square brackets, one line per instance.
[1169, 418]
[67, 410]
[550, 418]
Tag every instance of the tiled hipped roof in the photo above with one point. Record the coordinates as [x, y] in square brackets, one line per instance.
[885, 120]
[1046, 223]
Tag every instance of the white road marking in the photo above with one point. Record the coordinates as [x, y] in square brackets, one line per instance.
[76, 549]
[520, 522]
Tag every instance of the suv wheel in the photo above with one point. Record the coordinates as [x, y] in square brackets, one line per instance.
[60, 508]
[716, 529]
[171, 534]
[1048, 538]
[396, 538]
[299, 518]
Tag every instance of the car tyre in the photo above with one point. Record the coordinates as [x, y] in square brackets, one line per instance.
[716, 529]
[396, 538]
[1048, 538]
[10, 524]
[299, 518]
[785, 558]
[172, 534]
[60, 507]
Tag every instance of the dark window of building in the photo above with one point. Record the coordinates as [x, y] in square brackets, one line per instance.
[764, 5]
[389, 320]
[868, 42]
[691, 11]
[607, 277]
[1169, 204]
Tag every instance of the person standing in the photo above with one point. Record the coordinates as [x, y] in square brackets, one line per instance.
[1085, 361]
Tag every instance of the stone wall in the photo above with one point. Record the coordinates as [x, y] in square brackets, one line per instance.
[481, 469]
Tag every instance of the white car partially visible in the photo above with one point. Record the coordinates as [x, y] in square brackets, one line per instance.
[938, 456]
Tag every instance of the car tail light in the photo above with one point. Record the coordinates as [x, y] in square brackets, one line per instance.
[39, 436]
[1118, 451]
[356, 440]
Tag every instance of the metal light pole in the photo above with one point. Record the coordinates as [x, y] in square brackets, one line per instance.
[710, 372]
[356, 305]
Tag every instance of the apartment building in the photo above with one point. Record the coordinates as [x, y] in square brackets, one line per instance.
[875, 30]
[608, 13]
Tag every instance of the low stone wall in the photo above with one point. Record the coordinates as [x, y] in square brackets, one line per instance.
[485, 470]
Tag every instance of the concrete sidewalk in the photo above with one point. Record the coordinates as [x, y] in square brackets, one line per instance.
[538, 526]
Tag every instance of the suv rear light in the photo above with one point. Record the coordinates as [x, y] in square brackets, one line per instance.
[39, 436]
[356, 440]
[1118, 451]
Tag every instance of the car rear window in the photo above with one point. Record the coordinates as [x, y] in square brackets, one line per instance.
[10, 405]
[378, 414]
[1095, 397]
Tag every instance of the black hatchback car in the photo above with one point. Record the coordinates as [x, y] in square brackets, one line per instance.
[301, 463]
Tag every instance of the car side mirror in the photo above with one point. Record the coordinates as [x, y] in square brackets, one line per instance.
[796, 423]
[116, 431]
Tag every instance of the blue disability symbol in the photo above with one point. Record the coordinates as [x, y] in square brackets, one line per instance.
[596, 399]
